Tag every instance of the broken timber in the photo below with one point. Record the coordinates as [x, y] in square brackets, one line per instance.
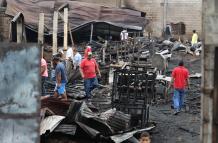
[55, 29]
[65, 28]
[41, 31]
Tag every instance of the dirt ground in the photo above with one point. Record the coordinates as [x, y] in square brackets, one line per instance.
[184, 127]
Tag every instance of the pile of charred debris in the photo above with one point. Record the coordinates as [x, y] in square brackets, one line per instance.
[135, 77]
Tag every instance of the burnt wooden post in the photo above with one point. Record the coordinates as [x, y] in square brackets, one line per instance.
[20, 87]
[55, 31]
[41, 28]
[117, 49]
[91, 34]
[66, 21]
[103, 51]
[41, 31]
[65, 28]
[209, 109]
[19, 20]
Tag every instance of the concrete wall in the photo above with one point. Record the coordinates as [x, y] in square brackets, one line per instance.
[4, 25]
[153, 10]
[187, 11]
[174, 11]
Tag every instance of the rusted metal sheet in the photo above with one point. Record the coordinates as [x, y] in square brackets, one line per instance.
[19, 76]
[19, 88]
[50, 123]
[80, 13]
[55, 104]
[19, 131]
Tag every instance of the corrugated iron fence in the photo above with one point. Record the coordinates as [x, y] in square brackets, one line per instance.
[19, 92]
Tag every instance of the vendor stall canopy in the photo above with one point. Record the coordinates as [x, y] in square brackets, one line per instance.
[106, 20]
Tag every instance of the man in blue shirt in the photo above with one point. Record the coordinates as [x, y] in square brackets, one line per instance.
[77, 58]
[61, 79]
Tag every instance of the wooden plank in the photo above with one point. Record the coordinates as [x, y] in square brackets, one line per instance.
[65, 28]
[41, 31]
[71, 36]
[19, 31]
[91, 34]
[24, 33]
[41, 28]
[10, 29]
[103, 52]
[55, 30]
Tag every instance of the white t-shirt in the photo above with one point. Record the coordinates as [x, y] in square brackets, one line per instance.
[69, 53]
[124, 35]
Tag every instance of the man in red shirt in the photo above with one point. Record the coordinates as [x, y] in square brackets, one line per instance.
[88, 70]
[180, 79]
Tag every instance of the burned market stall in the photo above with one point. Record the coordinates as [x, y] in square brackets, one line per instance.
[84, 20]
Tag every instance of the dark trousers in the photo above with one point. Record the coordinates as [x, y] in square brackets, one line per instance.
[90, 84]
[43, 85]
[76, 75]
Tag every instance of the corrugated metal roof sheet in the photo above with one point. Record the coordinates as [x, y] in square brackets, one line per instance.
[50, 123]
[80, 13]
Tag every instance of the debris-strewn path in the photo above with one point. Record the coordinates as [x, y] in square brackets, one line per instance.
[184, 127]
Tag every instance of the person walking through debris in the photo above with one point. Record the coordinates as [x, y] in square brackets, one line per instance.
[88, 70]
[44, 74]
[61, 78]
[69, 53]
[194, 38]
[168, 32]
[180, 79]
[60, 54]
[76, 58]
[145, 138]
[124, 35]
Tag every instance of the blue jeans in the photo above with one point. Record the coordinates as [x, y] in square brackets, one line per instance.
[90, 84]
[178, 99]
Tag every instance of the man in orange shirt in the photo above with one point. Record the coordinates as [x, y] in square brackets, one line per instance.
[88, 70]
[180, 79]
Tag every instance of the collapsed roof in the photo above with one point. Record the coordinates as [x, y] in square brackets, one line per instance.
[79, 15]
